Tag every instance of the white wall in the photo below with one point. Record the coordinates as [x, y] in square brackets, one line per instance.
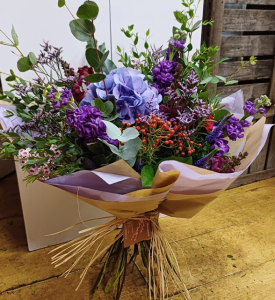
[35, 20]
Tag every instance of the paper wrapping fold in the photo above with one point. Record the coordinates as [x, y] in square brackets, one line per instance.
[178, 190]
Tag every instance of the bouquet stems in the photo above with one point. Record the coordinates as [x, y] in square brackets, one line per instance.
[156, 254]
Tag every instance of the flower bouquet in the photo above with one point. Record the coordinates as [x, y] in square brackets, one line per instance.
[147, 138]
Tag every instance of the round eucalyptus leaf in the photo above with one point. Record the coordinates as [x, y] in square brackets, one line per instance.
[24, 64]
[82, 29]
[61, 3]
[88, 11]
[32, 58]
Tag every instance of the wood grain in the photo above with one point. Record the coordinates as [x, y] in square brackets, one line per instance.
[216, 32]
[262, 70]
[257, 2]
[238, 46]
[250, 178]
[259, 163]
[249, 90]
[249, 20]
[272, 85]
[270, 163]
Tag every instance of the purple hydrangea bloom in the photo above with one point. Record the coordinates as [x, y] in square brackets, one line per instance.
[134, 95]
[234, 129]
[250, 107]
[87, 122]
[97, 90]
[222, 145]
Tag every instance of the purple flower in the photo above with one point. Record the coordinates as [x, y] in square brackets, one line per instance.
[262, 110]
[250, 108]
[66, 97]
[52, 94]
[164, 74]
[222, 145]
[87, 122]
[133, 95]
[216, 133]
[234, 129]
[201, 163]
[217, 163]
[97, 90]
[179, 45]
[245, 123]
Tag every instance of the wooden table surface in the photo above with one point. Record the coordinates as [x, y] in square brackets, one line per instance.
[239, 224]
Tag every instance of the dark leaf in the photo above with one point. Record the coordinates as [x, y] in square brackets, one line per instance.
[95, 78]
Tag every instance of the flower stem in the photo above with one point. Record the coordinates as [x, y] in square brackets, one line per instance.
[94, 40]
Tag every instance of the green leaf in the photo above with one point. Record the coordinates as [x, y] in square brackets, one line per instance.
[219, 114]
[103, 58]
[101, 47]
[11, 78]
[146, 45]
[136, 40]
[147, 176]
[115, 133]
[95, 78]
[130, 149]
[109, 107]
[88, 11]
[9, 94]
[92, 58]
[217, 63]
[24, 64]
[96, 148]
[100, 105]
[129, 134]
[206, 80]
[148, 32]
[31, 162]
[231, 82]
[221, 78]
[204, 95]
[113, 148]
[180, 17]
[214, 80]
[196, 26]
[14, 36]
[131, 27]
[118, 49]
[61, 3]
[32, 58]
[108, 66]
[82, 29]
[27, 136]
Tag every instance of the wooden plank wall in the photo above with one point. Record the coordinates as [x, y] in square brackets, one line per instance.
[244, 28]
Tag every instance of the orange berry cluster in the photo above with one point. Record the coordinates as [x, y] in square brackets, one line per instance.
[156, 133]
